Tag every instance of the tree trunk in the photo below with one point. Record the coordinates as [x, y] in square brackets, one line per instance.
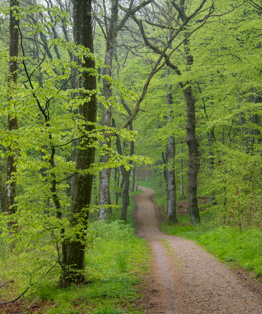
[171, 180]
[171, 203]
[125, 194]
[211, 139]
[104, 193]
[2, 193]
[12, 121]
[73, 250]
[133, 179]
[182, 194]
[193, 158]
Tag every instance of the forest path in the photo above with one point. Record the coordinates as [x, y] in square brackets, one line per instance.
[187, 279]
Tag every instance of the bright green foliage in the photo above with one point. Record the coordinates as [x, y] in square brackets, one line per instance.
[107, 283]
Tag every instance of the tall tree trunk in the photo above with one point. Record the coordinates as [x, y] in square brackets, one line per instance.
[211, 139]
[73, 250]
[125, 174]
[12, 121]
[193, 158]
[182, 194]
[171, 180]
[104, 193]
[171, 203]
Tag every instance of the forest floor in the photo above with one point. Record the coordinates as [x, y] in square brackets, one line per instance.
[187, 279]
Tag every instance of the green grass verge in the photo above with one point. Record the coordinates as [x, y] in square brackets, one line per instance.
[240, 248]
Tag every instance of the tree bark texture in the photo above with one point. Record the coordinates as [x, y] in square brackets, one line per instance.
[193, 158]
[73, 259]
[12, 121]
[104, 192]
[171, 181]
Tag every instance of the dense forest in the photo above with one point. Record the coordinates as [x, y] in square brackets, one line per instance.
[97, 94]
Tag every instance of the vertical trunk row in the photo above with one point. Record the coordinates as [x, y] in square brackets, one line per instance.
[73, 259]
[12, 120]
[104, 193]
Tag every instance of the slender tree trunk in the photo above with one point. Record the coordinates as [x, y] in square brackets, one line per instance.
[165, 161]
[211, 139]
[12, 120]
[73, 250]
[125, 194]
[193, 158]
[171, 203]
[2, 193]
[133, 179]
[182, 194]
[171, 180]
[104, 192]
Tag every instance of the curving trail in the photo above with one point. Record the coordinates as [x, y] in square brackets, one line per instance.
[187, 279]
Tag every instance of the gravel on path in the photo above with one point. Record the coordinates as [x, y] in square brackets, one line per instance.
[187, 279]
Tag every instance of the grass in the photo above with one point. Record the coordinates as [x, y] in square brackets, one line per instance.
[239, 247]
[116, 263]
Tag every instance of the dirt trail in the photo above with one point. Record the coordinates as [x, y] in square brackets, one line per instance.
[185, 278]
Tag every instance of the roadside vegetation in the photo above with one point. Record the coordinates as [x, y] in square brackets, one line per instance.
[216, 233]
[116, 263]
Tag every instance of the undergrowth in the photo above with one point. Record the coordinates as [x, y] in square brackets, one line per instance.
[116, 262]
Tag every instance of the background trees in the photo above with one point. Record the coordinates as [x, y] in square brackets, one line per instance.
[180, 79]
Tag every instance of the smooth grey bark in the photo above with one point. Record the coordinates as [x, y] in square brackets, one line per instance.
[12, 121]
[73, 250]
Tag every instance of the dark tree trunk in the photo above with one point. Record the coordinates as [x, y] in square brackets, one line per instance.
[211, 139]
[133, 179]
[125, 194]
[182, 194]
[12, 121]
[171, 180]
[73, 250]
[193, 158]
[171, 202]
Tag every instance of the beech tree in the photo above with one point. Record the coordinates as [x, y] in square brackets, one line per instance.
[12, 118]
